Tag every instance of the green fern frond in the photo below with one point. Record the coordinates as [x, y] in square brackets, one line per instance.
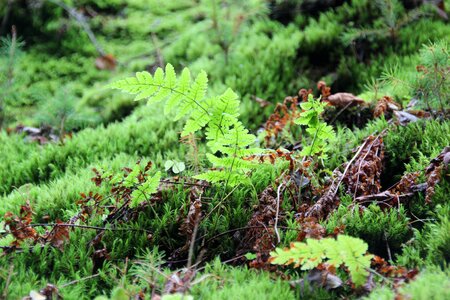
[216, 176]
[225, 112]
[224, 132]
[145, 190]
[345, 250]
[187, 99]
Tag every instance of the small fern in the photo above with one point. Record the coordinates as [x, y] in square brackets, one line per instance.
[320, 132]
[225, 134]
[345, 250]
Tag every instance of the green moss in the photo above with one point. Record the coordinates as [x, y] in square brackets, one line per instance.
[384, 231]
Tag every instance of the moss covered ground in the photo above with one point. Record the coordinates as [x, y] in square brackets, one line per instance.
[54, 80]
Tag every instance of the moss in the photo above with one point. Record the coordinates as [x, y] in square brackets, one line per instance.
[384, 231]
[432, 284]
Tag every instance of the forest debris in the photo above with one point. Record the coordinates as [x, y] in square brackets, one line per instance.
[106, 62]
[403, 189]
[190, 224]
[407, 186]
[400, 274]
[260, 238]
[179, 282]
[385, 105]
[363, 177]
[310, 229]
[284, 115]
[338, 99]
[19, 226]
[344, 100]
[433, 172]
[58, 235]
[49, 292]
[322, 278]
[404, 117]
[42, 135]
[325, 90]
[262, 103]
[327, 202]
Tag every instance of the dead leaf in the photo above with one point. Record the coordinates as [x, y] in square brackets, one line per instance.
[384, 105]
[106, 62]
[344, 99]
[262, 103]
[404, 117]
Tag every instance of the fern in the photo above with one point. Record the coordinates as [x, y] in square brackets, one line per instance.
[143, 191]
[320, 132]
[225, 134]
[185, 98]
[345, 250]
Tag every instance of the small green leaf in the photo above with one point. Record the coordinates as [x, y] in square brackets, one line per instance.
[168, 165]
[250, 256]
[178, 167]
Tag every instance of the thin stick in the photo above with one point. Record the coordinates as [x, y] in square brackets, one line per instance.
[8, 281]
[79, 280]
[221, 201]
[348, 166]
[87, 227]
[275, 227]
[159, 55]
[194, 235]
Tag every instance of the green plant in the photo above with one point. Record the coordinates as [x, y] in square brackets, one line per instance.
[392, 18]
[10, 51]
[134, 184]
[320, 132]
[217, 115]
[175, 166]
[61, 112]
[430, 83]
[345, 250]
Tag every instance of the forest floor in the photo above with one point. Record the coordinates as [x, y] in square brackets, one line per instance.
[306, 155]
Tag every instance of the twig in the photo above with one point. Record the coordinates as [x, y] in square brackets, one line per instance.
[79, 280]
[239, 229]
[8, 281]
[184, 183]
[194, 235]
[387, 246]
[87, 227]
[159, 55]
[275, 226]
[82, 21]
[348, 166]
[340, 112]
[221, 201]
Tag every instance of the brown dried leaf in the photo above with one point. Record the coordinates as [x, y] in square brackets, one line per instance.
[344, 100]
[384, 105]
[58, 235]
[260, 236]
[363, 176]
[106, 62]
